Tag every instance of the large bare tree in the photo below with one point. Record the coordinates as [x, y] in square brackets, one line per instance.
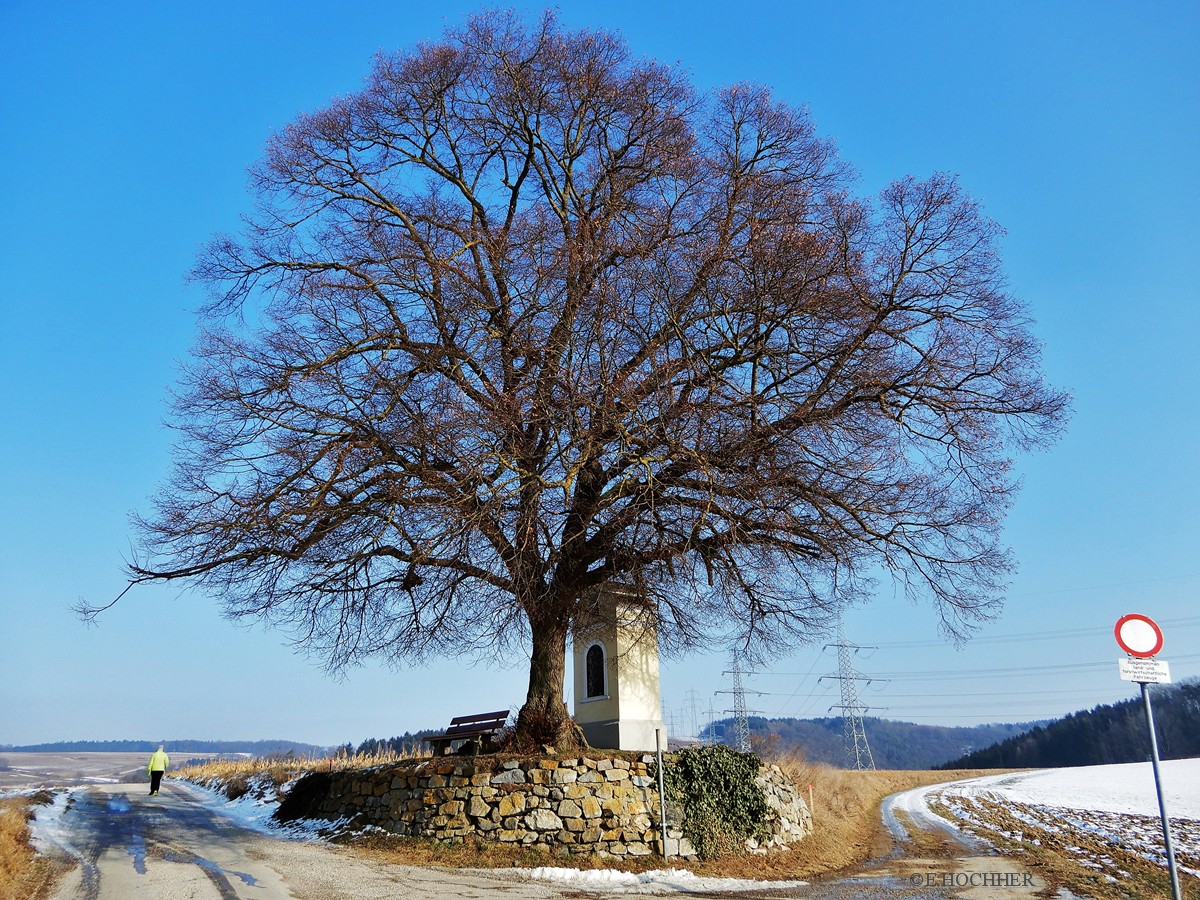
[529, 314]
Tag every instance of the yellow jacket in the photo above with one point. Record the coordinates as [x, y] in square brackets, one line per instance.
[158, 762]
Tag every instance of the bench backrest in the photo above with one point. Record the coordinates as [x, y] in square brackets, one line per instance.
[478, 722]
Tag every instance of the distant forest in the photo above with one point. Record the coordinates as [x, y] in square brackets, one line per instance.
[256, 748]
[407, 743]
[894, 745]
[1107, 734]
[1113, 733]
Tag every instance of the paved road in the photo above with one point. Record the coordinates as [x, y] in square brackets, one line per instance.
[125, 844]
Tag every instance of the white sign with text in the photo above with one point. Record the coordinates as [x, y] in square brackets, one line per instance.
[1145, 671]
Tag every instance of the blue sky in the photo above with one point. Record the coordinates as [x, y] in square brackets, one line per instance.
[128, 127]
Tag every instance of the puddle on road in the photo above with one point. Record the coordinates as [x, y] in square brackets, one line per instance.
[137, 849]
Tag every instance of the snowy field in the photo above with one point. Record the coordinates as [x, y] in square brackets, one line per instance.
[1104, 817]
[22, 771]
[1125, 788]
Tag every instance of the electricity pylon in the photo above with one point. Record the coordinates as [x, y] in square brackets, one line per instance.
[854, 734]
[741, 723]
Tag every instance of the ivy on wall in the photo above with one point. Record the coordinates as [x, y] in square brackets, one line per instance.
[722, 803]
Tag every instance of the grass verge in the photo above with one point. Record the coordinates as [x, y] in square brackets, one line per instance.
[233, 775]
[1098, 860]
[23, 874]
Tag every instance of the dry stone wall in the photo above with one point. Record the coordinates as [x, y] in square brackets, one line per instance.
[582, 805]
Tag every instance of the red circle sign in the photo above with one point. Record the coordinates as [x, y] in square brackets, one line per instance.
[1139, 635]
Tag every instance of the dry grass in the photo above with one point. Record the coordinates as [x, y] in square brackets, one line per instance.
[23, 874]
[235, 774]
[847, 827]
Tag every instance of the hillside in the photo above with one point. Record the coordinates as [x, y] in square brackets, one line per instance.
[1109, 733]
[894, 745]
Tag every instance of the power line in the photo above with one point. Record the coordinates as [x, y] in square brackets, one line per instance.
[1030, 636]
[988, 673]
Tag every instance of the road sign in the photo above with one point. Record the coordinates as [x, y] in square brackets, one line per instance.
[1141, 638]
[1139, 635]
[1145, 671]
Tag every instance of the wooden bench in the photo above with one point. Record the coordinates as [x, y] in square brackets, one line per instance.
[478, 725]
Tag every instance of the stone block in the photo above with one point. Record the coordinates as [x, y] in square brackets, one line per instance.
[563, 776]
[510, 804]
[477, 808]
[681, 847]
[543, 820]
[616, 775]
[569, 809]
[509, 776]
[574, 824]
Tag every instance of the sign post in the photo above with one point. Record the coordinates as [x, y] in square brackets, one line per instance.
[1141, 638]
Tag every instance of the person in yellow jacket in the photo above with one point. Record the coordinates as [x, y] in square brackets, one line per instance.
[158, 764]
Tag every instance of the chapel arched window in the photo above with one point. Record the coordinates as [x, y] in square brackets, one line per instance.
[595, 671]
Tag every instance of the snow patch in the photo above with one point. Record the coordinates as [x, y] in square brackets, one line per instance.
[655, 881]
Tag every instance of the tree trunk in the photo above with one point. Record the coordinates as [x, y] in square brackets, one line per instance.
[544, 720]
